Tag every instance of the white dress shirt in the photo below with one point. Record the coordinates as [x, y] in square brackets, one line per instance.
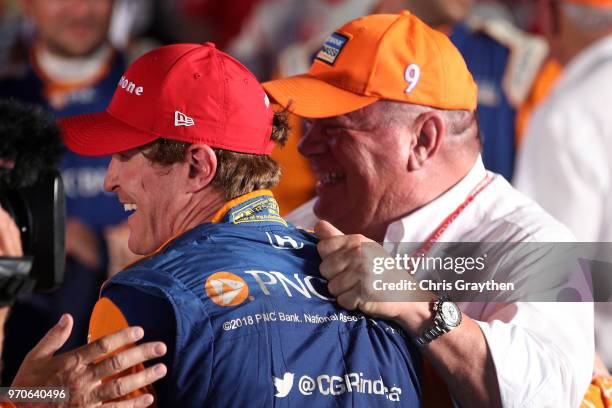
[565, 163]
[543, 352]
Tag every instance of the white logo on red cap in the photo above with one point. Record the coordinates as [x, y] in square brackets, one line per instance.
[180, 119]
[130, 86]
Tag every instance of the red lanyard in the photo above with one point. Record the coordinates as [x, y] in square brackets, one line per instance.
[453, 216]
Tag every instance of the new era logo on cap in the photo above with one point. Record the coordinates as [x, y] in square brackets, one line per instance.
[180, 119]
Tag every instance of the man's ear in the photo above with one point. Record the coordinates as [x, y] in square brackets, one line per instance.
[430, 130]
[202, 163]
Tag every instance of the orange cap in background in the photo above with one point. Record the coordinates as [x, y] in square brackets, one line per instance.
[592, 3]
[392, 57]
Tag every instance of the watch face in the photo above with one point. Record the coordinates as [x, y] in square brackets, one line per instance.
[451, 314]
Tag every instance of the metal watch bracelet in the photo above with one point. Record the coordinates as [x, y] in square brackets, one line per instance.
[430, 333]
[439, 326]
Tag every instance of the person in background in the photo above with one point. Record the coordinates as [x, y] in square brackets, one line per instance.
[564, 163]
[69, 68]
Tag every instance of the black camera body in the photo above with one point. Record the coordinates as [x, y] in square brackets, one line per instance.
[39, 212]
[32, 193]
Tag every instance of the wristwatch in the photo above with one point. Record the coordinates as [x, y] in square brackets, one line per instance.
[447, 317]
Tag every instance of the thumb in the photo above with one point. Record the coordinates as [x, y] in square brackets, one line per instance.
[54, 339]
[324, 230]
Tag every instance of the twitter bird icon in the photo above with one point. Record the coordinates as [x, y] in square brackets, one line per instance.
[283, 386]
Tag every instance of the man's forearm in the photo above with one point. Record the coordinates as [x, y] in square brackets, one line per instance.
[461, 358]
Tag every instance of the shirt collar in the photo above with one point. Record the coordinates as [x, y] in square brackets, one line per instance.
[583, 63]
[73, 71]
[420, 224]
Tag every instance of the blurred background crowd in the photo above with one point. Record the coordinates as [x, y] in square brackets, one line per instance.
[68, 56]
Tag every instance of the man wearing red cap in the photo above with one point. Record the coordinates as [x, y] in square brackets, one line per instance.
[393, 140]
[231, 288]
[565, 162]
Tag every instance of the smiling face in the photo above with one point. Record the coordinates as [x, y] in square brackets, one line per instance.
[70, 27]
[359, 160]
[152, 192]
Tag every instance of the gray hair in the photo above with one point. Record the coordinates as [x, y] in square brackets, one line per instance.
[458, 122]
[589, 18]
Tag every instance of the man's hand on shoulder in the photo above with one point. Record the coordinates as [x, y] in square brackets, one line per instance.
[347, 264]
[81, 371]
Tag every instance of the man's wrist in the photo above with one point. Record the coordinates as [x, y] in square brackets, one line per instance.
[415, 317]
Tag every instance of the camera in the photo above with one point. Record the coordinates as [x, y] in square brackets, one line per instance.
[32, 193]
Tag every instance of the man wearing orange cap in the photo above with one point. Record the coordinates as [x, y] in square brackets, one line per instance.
[565, 162]
[393, 141]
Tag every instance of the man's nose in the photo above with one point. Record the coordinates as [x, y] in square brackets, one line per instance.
[110, 180]
[313, 141]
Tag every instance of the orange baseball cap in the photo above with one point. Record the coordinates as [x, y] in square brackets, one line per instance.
[392, 57]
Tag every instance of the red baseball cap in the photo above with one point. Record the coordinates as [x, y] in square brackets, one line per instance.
[186, 92]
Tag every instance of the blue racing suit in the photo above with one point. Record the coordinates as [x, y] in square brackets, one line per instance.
[248, 320]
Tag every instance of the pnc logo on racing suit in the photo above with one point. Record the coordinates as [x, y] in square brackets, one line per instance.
[226, 289]
[229, 289]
